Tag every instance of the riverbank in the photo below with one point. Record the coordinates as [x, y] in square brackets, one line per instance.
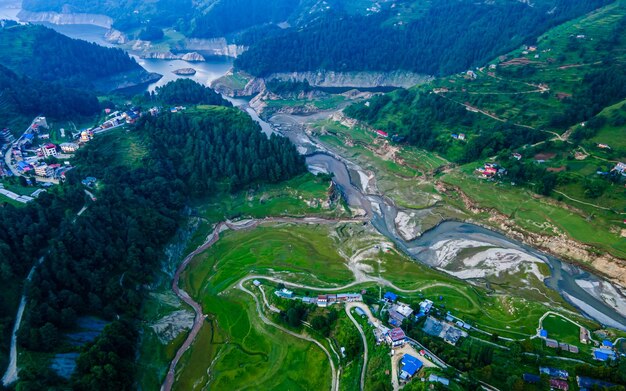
[565, 280]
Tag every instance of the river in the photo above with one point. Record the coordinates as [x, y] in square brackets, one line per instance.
[567, 279]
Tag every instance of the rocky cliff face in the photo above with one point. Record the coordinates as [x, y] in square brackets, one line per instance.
[215, 47]
[191, 57]
[65, 18]
[115, 37]
[355, 79]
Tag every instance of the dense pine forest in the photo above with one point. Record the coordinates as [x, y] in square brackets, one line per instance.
[43, 54]
[98, 264]
[450, 37]
[186, 92]
[21, 95]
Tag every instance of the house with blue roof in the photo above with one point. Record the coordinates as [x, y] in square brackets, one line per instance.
[607, 344]
[390, 296]
[586, 383]
[543, 333]
[603, 354]
[410, 366]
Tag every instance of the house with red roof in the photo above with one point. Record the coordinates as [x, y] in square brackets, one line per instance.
[382, 133]
[396, 337]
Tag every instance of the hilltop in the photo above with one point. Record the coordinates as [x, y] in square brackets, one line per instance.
[43, 54]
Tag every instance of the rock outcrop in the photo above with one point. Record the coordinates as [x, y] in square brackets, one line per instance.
[115, 37]
[193, 57]
[354, 79]
[184, 72]
[65, 18]
[214, 47]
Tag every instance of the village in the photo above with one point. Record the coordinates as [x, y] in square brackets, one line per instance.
[412, 361]
[40, 163]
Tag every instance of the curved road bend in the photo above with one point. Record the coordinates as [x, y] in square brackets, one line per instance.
[335, 377]
[211, 239]
[11, 373]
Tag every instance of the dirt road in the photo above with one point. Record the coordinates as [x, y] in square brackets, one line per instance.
[349, 306]
[211, 239]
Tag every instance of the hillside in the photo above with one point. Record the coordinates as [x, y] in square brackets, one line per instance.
[444, 38]
[22, 98]
[532, 93]
[43, 54]
[432, 38]
[552, 114]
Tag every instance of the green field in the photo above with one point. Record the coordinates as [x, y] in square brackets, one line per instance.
[254, 351]
[300, 196]
[562, 330]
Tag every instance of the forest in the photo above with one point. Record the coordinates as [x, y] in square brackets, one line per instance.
[450, 37]
[224, 147]
[98, 264]
[23, 96]
[186, 92]
[42, 53]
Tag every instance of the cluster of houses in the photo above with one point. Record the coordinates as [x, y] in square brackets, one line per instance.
[558, 380]
[321, 300]
[605, 352]
[26, 155]
[554, 344]
[491, 170]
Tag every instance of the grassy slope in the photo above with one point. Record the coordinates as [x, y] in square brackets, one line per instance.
[285, 199]
[309, 254]
[582, 222]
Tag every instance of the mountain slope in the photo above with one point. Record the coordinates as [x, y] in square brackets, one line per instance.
[46, 55]
[24, 98]
[574, 71]
[447, 37]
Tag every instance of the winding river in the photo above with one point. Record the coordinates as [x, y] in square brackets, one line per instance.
[565, 278]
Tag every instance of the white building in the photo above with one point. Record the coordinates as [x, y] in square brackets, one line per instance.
[49, 150]
[43, 170]
[69, 147]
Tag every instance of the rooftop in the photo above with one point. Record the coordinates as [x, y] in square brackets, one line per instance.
[397, 334]
[411, 364]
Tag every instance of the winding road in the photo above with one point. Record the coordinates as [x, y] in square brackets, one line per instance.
[11, 374]
[349, 306]
[200, 316]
